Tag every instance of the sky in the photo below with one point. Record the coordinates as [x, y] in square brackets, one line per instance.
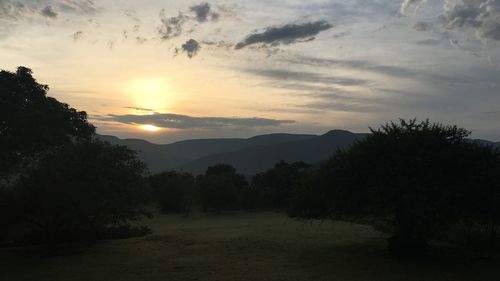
[178, 69]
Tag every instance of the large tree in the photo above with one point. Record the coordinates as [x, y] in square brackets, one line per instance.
[220, 188]
[274, 187]
[173, 191]
[31, 122]
[415, 176]
[79, 190]
[57, 182]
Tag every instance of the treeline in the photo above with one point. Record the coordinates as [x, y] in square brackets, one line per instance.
[222, 188]
[416, 180]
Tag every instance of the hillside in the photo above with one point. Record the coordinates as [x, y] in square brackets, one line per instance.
[160, 157]
[248, 156]
[259, 158]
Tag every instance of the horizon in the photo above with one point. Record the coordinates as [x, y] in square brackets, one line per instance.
[223, 69]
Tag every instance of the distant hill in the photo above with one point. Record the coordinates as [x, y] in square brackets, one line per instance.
[260, 158]
[161, 157]
[248, 156]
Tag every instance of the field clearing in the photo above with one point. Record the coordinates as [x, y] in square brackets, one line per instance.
[245, 246]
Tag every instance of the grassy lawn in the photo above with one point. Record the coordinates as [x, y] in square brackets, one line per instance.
[245, 246]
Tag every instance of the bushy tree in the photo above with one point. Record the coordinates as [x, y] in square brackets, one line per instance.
[221, 188]
[31, 122]
[273, 188]
[79, 190]
[416, 176]
[57, 183]
[174, 191]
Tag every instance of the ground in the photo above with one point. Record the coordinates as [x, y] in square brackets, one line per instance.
[245, 246]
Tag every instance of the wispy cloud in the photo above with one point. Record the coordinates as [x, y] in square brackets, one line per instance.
[286, 34]
[177, 121]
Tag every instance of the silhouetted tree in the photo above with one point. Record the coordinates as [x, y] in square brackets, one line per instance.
[173, 191]
[79, 190]
[273, 188]
[220, 188]
[417, 176]
[31, 122]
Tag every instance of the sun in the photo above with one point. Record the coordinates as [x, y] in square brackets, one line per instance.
[149, 128]
[154, 94]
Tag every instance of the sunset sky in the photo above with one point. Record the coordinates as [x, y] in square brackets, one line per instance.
[171, 70]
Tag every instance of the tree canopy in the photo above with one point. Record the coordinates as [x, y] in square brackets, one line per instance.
[31, 122]
[415, 176]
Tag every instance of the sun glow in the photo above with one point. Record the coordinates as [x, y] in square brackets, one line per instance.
[152, 94]
[150, 128]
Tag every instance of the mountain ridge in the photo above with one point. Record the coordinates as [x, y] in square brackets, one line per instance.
[247, 155]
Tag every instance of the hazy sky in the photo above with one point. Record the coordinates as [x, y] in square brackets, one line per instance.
[239, 68]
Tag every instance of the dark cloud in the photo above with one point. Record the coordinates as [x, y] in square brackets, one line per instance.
[421, 26]
[191, 47]
[429, 42]
[286, 34]
[177, 121]
[203, 12]
[139, 108]
[174, 26]
[171, 26]
[49, 12]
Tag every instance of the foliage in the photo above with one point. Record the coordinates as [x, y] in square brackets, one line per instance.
[79, 190]
[220, 188]
[417, 176]
[273, 188]
[31, 122]
[173, 191]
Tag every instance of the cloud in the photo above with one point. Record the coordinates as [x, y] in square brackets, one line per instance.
[77, 6]
[15, 10]
[286, 34]
[177, 121]
[139, 108]
[481, 15]
[203, 11]
[408, 4]
[49, 12]
[304, 76]
[171, 26]
[77, 35]
[421, 26]
[191, 47]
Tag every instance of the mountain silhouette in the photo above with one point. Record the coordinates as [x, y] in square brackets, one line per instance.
[161, 157]
[248, 156]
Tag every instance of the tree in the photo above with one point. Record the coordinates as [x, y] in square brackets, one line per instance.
[31, 122]
[79, 190]
[274, 187]
[416, 176]
[220, 188]
[173, 191]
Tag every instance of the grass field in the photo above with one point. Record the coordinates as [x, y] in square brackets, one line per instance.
[245, 246]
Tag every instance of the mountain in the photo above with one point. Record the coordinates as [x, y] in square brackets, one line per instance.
[260, 158]
[248, 156]
[161, 157]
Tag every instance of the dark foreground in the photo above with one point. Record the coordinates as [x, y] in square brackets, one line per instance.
[245, 246]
